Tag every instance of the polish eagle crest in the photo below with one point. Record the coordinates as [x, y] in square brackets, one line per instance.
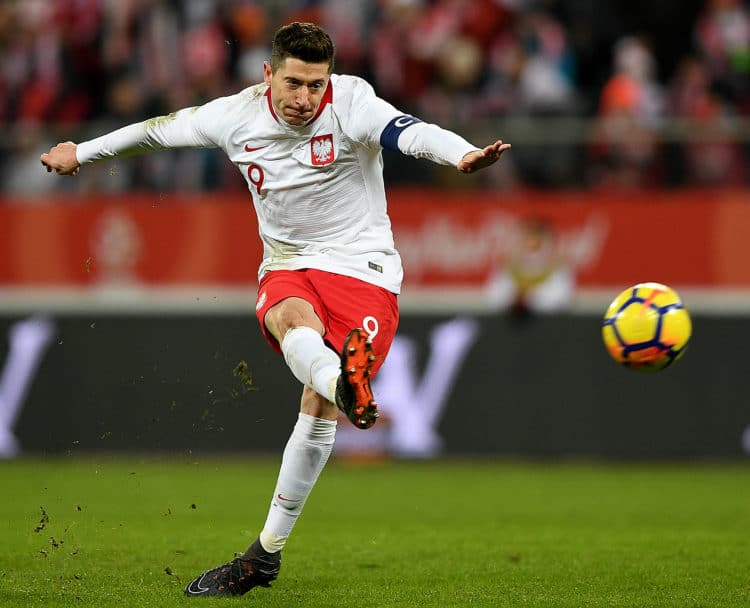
[321, 148]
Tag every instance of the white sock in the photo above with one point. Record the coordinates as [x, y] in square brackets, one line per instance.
[311, 361]
[305, 455]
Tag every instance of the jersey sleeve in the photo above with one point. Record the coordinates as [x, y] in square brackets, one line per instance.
[194, 127]
[374, 121]
[425, 140]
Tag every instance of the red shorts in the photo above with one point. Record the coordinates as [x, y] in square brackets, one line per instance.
[342, 303]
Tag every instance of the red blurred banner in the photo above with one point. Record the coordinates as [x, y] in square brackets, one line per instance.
[449, 239]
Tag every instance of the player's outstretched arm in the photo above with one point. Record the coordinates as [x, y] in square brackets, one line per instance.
[61, 159]
[479, 159]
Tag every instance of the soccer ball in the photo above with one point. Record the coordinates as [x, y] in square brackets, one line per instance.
[646, 327]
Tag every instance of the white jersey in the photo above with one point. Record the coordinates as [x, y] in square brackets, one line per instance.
[317, 189]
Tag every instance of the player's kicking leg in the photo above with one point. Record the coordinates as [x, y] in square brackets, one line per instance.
[254, 568]
[353, 392]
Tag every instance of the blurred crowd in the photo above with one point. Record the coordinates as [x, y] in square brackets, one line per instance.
[590, 94]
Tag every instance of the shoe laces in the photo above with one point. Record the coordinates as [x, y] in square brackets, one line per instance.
[237, 572]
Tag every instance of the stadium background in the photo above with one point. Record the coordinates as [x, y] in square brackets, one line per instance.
[630, 138]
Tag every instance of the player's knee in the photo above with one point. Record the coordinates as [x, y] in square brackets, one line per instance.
[291, 313]
[318, 406]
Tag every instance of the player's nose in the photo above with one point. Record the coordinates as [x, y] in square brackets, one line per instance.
[303, 98]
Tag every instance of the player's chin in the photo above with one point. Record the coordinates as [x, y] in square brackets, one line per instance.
[297, 119]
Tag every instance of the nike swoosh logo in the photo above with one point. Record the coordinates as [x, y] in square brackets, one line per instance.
[195, 587]
[249, 149]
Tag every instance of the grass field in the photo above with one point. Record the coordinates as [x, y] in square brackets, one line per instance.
[131, 532]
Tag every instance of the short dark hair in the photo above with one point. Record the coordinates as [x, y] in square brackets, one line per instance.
[305, 41]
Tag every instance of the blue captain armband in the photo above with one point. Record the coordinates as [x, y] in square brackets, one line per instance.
[389, 136]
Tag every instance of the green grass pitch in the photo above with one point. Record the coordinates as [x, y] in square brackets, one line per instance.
[132, 532]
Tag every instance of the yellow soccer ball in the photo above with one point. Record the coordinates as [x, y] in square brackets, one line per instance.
[647, 327]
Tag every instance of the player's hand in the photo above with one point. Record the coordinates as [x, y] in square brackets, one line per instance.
[61, 159]
[479, 159]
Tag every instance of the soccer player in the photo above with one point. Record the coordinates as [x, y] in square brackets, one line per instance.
[309, 144]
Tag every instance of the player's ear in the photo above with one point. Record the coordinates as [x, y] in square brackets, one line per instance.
[267, 73]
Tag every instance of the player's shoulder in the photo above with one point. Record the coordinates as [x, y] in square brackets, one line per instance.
[227, 113]
[348, 88]
[243, 99]
[252, 93]
[223, 115]
[227, 106]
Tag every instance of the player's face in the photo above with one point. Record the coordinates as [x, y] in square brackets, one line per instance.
[296, 88]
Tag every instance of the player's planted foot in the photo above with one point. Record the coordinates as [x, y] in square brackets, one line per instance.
[254, 568]
[353, 393]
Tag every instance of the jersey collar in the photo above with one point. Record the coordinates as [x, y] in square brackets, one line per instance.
[325, 100]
